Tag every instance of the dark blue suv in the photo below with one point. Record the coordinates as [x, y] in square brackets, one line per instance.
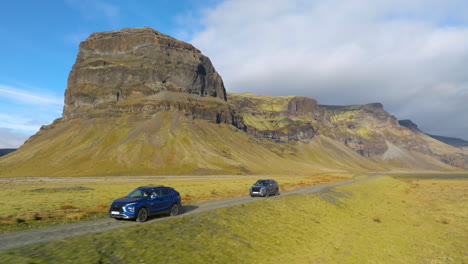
[264, 188]
[146, 201]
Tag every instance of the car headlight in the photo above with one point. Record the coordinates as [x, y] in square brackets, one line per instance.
[130, 207]
[262, 189]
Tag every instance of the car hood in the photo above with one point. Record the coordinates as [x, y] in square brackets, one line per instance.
[125, 200]
[259, 186]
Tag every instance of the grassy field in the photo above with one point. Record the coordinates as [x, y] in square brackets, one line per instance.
[33, 202]
[383, 220]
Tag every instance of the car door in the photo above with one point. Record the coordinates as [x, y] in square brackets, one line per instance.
[270, 188]
[155, 205]
[275, 187]
[166, 198]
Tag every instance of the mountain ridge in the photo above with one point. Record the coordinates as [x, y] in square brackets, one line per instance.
[453, 141]
[139, 102]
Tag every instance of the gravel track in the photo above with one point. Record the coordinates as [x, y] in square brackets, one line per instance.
[51, 233]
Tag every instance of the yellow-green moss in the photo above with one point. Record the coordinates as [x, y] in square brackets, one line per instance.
[343, 116]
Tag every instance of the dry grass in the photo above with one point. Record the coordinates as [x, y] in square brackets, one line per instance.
[40, 201]
[377, 218]
[67, 207]
[373, 221]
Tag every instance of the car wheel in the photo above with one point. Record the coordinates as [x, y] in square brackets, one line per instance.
[277, 192]
[142, 215]
[174, 210]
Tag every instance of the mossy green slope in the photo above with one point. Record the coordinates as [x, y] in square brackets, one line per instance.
[171, 143]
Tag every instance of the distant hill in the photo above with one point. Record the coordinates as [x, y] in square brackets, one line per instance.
[456, 142]
[139, 102]
[3, 152]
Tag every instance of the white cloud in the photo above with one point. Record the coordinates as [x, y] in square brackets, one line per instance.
[19, 123]
[10, 139]
[23, 111]
[410, 55]
[25, 96]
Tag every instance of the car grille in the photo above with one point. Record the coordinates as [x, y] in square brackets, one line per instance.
[256, 189]
[116, 207]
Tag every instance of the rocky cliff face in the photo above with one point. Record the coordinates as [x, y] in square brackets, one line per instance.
[278, 118]
[118, 65]
[410, 125]
[358, 126]
[367, 129]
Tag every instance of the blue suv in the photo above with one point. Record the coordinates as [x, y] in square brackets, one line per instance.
[146, 201]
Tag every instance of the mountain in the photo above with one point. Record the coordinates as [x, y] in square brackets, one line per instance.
[139, 102]
[4, 152]
[118, 65]
[367, 129]
[456, 142]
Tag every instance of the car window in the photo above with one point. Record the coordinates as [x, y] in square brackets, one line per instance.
[137, 193]
[158, 192]
[166, 191]
[262, 182]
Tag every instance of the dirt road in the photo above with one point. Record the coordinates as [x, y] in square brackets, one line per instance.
[46, 234]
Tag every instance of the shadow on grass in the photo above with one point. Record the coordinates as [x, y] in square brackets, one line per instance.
[183, 210]
[188, 208]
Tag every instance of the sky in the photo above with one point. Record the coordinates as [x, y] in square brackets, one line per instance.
[409, 55]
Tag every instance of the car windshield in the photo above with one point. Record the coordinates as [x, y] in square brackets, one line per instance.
[138, 193]
[262, 182]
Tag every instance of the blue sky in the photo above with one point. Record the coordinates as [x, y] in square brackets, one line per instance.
[411, 56]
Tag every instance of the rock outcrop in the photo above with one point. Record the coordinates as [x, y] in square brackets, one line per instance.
[118, 65]
[410, 125]
[360, 127]
[282, 119]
